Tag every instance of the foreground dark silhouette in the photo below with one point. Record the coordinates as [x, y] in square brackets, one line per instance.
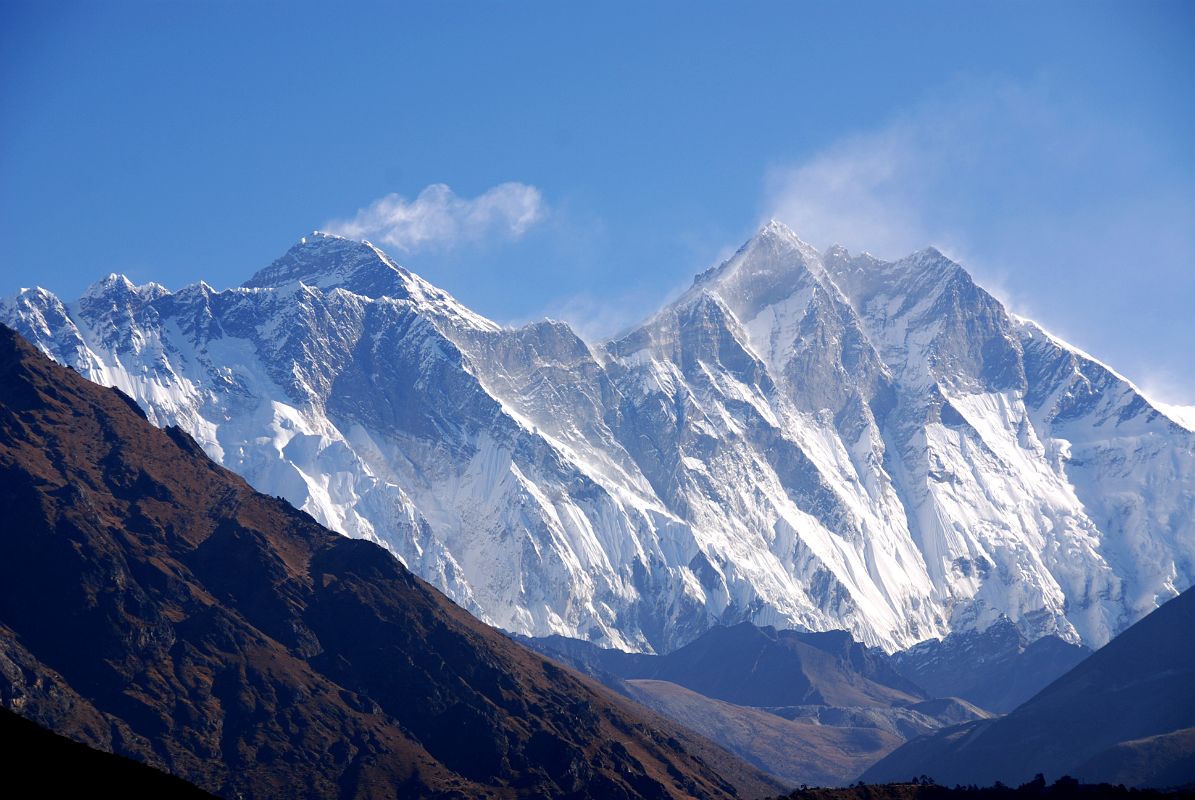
[1124, 715]
[58, 767]
[153, 605]
[1065, 788]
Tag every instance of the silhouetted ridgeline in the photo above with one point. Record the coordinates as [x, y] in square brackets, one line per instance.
[1065, 788]
[59, 767]
[1124, 715]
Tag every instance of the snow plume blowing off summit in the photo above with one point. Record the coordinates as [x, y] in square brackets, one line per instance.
[802, 439]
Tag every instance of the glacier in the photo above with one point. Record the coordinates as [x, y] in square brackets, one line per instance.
[804, 439]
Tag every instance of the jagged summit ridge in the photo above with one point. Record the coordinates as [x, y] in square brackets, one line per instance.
[324, 260]
[328, 262]
[776, 240]
[804, 439]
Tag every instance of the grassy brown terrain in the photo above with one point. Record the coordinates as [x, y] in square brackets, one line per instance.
[796, 751]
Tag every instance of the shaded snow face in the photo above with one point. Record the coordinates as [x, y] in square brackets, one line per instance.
[801, 440]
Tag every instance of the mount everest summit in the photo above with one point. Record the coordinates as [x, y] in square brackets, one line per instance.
[802, 439]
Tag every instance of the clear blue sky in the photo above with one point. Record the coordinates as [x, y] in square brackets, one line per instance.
[1047, 145]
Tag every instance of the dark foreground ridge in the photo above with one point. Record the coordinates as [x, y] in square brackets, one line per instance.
[58, 767]
[1065, 788]
[153, 605]
[1124, 715]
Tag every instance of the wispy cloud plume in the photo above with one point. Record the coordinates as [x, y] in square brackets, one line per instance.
[1071, 216]
[916, 179]
[1171, 392]
[857, 192]
[439, 219]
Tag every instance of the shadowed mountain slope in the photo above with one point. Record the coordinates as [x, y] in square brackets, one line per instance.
[997, 669]
[153, 605]
[1062, 789]
[754, 666]
[811, 708]
[1130, 704]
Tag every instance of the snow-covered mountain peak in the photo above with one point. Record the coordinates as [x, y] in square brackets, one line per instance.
[40, 312]
[776, 229]
[803, 439]
[771, 267]
[774, 241]
[863, 276]
[928, 264]
[930, 255]
[115, 286]
[327, 261]
[113, 282]
[777, 241]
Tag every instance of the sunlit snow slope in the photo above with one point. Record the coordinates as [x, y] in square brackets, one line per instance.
[802, 439]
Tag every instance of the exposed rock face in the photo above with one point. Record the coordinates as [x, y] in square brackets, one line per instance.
[152, 604]
[804, 439]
